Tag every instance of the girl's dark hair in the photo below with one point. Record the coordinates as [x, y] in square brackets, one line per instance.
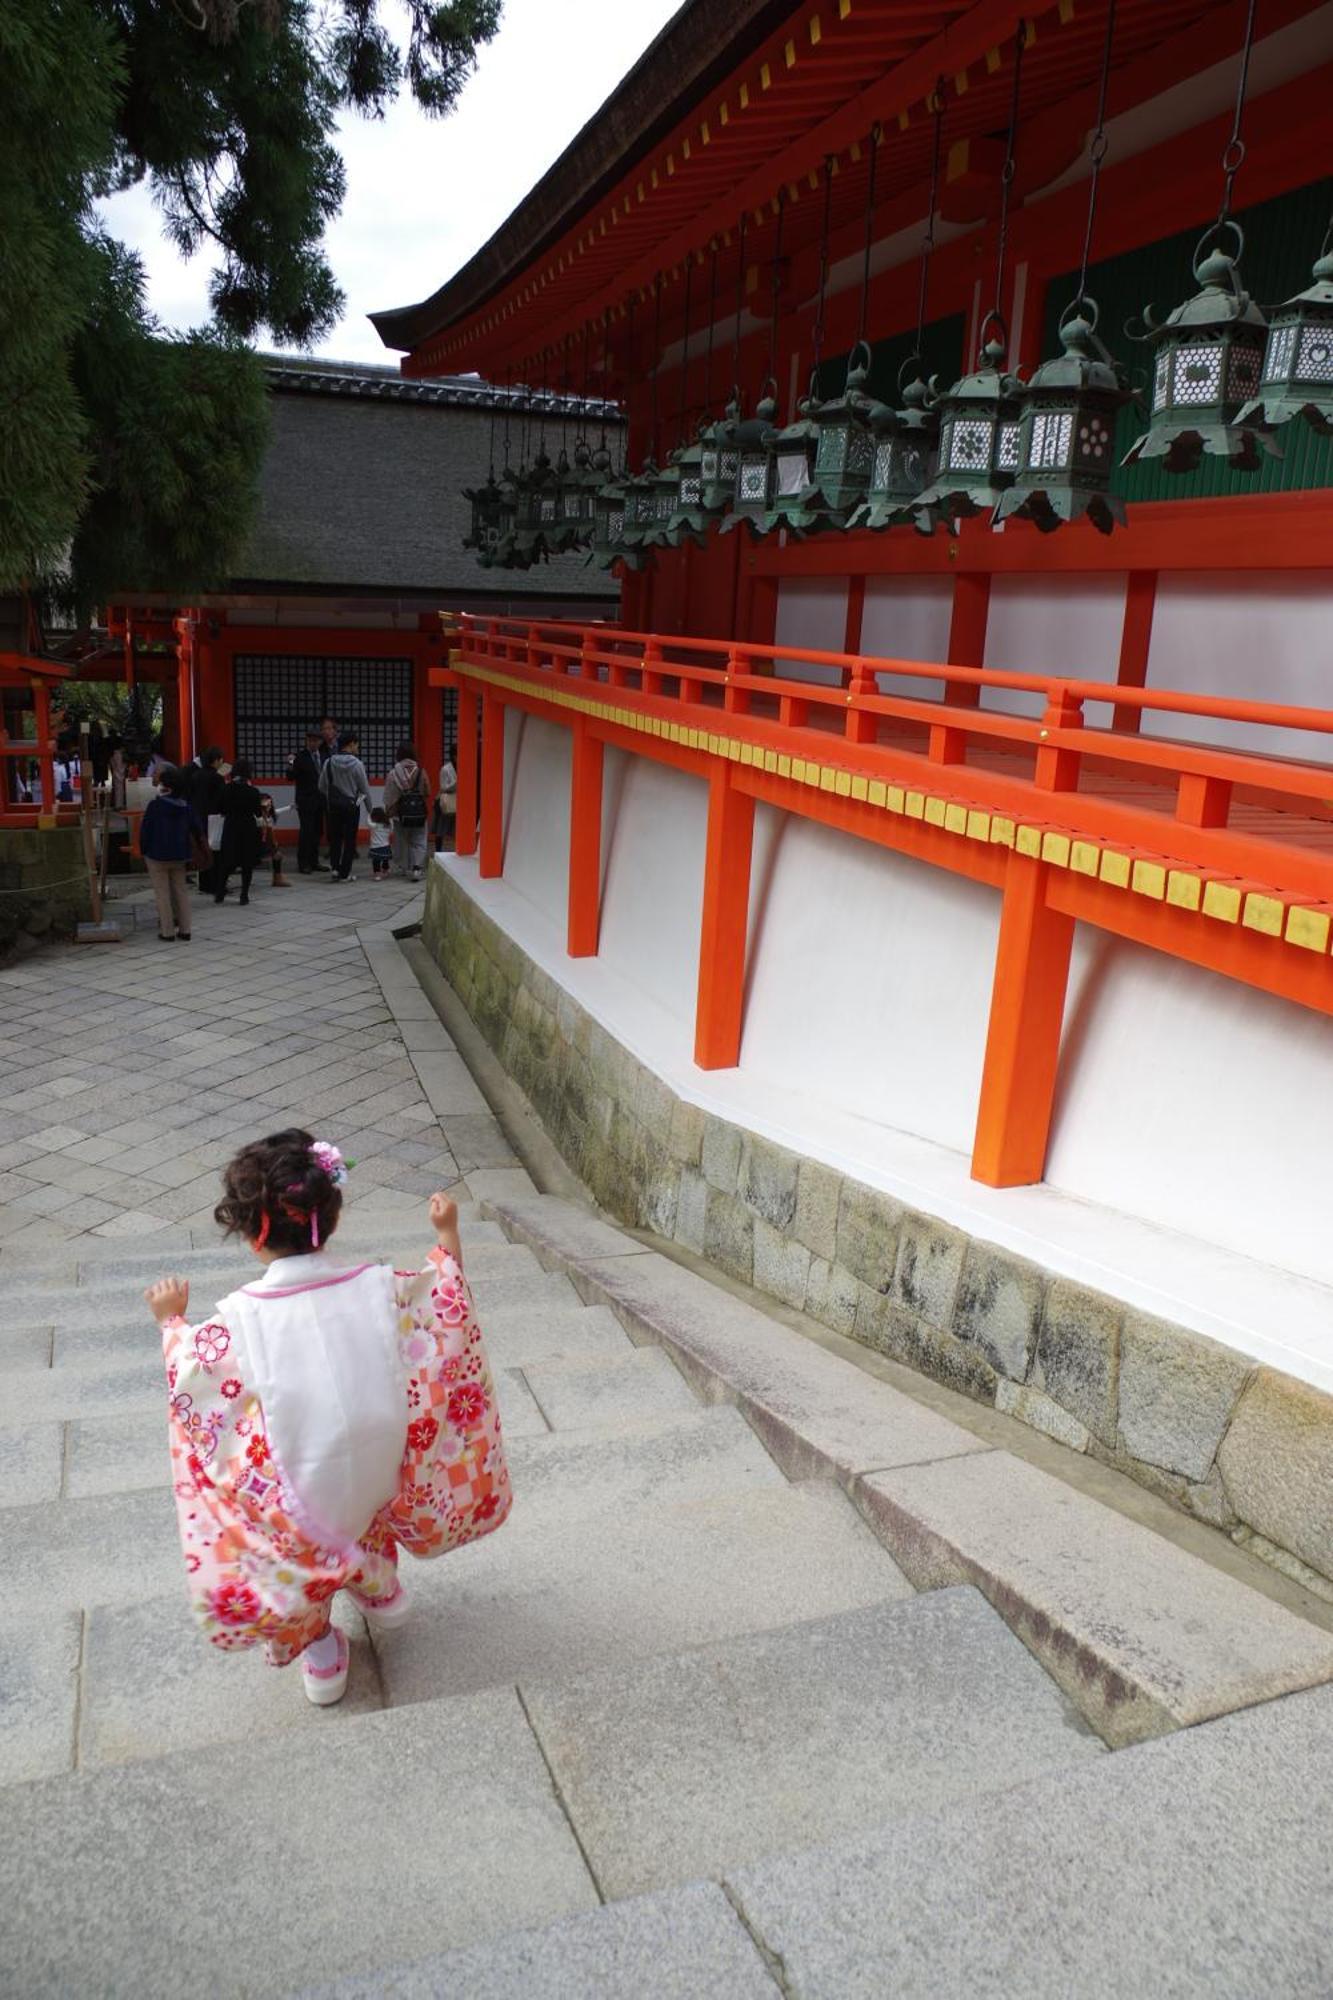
[276, 1177]
[406, 752]
[242, 770]
[169, 779]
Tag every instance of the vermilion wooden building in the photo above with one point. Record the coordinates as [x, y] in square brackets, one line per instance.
[991, 870]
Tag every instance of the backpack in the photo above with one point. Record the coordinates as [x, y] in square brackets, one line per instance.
[410, 810]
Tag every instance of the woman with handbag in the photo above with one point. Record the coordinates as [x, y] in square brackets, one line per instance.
[169, 837]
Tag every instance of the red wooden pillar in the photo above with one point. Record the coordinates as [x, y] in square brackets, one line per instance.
[491, 838]
[726, 914]
[1027, 998]
[967, 648]
[465, 838]
[585, 843]
[1135, 639]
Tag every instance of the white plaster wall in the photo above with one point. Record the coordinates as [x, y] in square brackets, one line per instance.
[1194, 1102]
[870, 982]
[812, 611]
[536, 814]
[907, 618]
[1254, 637]
[1069, 625]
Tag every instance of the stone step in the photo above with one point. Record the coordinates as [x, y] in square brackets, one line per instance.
[681, 1945]
[517, 1606]
[819, 1414]
[689, 1764]
[609, 1396]
[1142, 1635]
[127, 1451]
[414, 1831]
[519, 1337]
[122, 1546]
[221, 1270]
[1199, 1864]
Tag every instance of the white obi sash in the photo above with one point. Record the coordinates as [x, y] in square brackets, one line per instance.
[322, 1353]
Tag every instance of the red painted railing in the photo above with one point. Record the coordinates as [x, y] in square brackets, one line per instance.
[1221, 856]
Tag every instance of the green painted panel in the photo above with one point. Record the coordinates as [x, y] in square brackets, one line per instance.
[1282, 239]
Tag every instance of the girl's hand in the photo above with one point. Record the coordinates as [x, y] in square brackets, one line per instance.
[444, 1221]
[169, 1298]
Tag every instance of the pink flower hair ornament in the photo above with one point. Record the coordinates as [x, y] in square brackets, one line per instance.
[331, 1160]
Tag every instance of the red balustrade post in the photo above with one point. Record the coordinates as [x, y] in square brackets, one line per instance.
[465, 834]
[585, 842]
[652, 663]
[861, 726]
[725, 925]
[1202, 801]
[1027, 1010]
[490, 859]
[736, 700]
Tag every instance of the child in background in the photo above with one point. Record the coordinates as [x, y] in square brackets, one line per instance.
[268, 838]
[381, 852]
[322, 1418]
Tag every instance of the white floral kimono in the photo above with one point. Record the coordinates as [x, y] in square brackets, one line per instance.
[323, 1418]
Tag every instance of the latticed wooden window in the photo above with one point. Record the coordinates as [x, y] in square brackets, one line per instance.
[281, 695]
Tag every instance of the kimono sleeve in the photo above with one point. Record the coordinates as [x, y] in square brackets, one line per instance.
[455, 1484]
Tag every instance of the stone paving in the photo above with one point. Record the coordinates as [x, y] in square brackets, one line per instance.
[776, 1683]
[129, 1073]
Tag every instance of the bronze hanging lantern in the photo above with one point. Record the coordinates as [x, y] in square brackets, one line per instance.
[537, 530]
[979, 421]
[793, 455]
[1296, 379]
[1209, 353]
[1208, 358]
[750, 494]
[906, 456]
[1066, 455]
[485, 502]
[845, 446]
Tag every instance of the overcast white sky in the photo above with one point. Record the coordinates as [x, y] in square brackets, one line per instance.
[424, 193]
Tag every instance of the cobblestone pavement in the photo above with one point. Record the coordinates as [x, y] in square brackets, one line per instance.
[130, 1072]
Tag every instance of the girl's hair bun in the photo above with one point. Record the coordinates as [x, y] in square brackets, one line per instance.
[279, 1180]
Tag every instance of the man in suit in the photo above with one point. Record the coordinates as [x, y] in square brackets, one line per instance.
[326, 747]
[303, 770]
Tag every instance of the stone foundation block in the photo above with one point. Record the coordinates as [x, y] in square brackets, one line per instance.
[767, 1180]
[721, 1154]
[998, 1308]
[831, 1295]
[867, 1240]
[929, 1266]
[1078, 1356]
[1177, 1393]
[781, 1264]
[1034, 1407]
[729, 1236]
[818, 1190]
[1277, 1465]
[691, 1210]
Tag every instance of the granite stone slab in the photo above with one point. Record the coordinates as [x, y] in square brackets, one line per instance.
[25, 1342]
[118, 1454]
[45, 1395]
[195, 1694]
[535, 1600]
[644, 1386]
[683, 1945]
[1197, 1865]
[116, 1547]
[683, 1766]
[31, 1462]
[560, 1230]
[818, 1414]
[566, 1476]
[39, 1683]
[1143, 1636]
[517, 1336]
[459, 1837]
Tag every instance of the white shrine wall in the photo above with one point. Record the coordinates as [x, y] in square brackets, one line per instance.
[1186, 1170]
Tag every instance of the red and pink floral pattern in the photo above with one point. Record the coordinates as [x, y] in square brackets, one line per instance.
[254, 1575]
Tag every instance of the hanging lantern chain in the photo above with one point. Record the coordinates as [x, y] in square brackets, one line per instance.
[777, 288]
[712, 315]
[583, 397]
[1007, 178]
[875, 135]
[1096, 153]
[657, 355]
[817, 332]
[928, 240]
[685, 352]
[740, 300]
[1233, 158]
[509, 397]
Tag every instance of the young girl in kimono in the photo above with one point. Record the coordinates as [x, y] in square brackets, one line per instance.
[322, 1418]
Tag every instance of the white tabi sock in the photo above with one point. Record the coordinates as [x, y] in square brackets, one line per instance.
[323, 1653]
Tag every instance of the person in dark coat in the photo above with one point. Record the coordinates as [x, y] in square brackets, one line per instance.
[242, 843]
[303, 770]
[166, 835]
[205, 791]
